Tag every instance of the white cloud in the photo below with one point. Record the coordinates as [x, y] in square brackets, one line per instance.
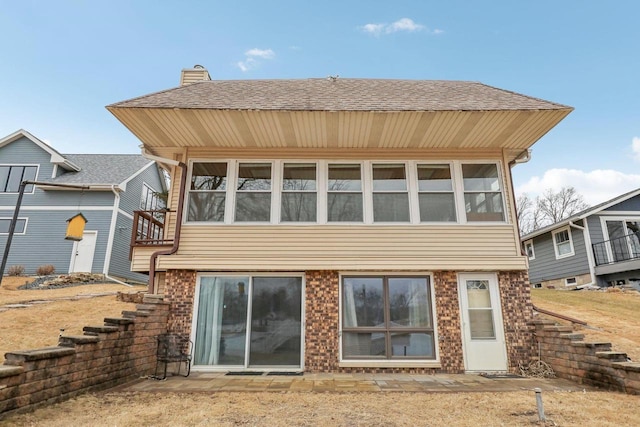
[250, 62]
[595, 186]
[635, 146]
[260, 53]
[403, 24]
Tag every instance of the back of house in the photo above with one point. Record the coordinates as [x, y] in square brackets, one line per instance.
[340, 225]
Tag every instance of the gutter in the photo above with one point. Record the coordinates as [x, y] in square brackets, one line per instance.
[179, 210]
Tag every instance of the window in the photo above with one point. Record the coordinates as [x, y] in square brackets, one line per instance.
[12, 176]
[253, 192]
[150, 200]
[528, 247]
[482, 193]
[5, 224]
[562, 243]
[390, 195]
[537, 285]
[387, 317]
[299, 193]
[207, 194]
[435, 194]
[570, 281]
[344, 193]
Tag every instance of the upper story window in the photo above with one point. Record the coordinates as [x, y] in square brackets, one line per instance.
[207, 194]
[5, 224]
[12, 176]
[390, 193]
[253, 192]
[364, 192]
[482, 192]
[528, 247]
[299, 198]
[344, 193]
[562, 243]
[436, 197]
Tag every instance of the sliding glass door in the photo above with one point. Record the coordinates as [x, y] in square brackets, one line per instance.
[248, 321]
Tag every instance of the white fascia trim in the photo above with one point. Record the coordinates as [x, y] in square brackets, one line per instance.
[123, 184]
[126, 214]
[92, 187]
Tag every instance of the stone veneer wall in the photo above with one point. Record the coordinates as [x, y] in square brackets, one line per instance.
[105, 356]
[517, 312]
[583, 362]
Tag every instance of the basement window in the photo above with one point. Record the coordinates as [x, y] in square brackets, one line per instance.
[570, 281]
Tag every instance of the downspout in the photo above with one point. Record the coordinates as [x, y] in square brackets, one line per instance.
[180, 208]
[112, 232]
[588, 248]
[524, 157]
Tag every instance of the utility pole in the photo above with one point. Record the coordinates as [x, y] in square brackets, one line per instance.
[14, 220]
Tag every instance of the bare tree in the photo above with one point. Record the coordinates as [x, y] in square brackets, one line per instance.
[548, 208]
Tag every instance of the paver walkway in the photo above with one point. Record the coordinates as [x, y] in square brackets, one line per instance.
[340, 383]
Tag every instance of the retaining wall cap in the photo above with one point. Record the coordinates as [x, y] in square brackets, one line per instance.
[627, 366]
[101, 329]
[79, 339]
[118, 321]
[10, 371]
[39, 354]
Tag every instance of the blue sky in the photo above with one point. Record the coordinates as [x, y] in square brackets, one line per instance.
[63, 61]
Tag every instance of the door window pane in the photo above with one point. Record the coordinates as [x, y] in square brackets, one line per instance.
[222, 321]
[299, 198]
[480, 309]
[276, 321]
[253, 192]
[390, 196]
[435, 193]
[482, 192]
[207, 193]
[481, 324]
[344, 196]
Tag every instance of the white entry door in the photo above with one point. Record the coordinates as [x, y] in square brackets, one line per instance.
[483, 333]
[82, 255]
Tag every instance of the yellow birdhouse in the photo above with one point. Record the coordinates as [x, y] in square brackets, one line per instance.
[75, 227]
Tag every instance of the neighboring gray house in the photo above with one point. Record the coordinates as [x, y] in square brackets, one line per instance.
[599, 246]
[118, 185]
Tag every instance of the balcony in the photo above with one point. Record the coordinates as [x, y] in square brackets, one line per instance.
[148, 229]
[617, 255]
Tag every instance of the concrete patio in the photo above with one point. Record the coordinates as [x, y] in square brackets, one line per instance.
[346, 383]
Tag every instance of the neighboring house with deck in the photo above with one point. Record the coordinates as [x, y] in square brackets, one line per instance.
[117, 185]
[599, 246]
[341, 225]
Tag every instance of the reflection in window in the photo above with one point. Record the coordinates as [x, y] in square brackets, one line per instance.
[207, 194]
[344, 195]
[390, 196]
[480, 310]
[387, 317]
[12, 176]
[253, 192]
[482, 193]
[299, 197]
[435, 193]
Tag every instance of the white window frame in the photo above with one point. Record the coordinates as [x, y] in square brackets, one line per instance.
[390, 363]
[33, 189]
[366, 170]
[566, 281]
[529, 244]
[555, 244]
[26, 223]
[281, 191]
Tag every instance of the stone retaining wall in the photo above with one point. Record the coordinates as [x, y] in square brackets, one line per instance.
[583, 362]
[105, 356]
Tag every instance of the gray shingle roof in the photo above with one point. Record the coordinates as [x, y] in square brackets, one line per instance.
[101, 168]
[339, 95]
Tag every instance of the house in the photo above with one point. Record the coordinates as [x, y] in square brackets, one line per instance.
[599, 246]
[117, 185]
[341, 225]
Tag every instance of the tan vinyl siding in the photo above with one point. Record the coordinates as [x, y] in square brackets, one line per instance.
[460, 247]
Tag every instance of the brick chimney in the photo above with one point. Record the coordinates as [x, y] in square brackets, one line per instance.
[193, 75]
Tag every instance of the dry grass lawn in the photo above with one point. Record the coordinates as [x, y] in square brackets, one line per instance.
[615, 313]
